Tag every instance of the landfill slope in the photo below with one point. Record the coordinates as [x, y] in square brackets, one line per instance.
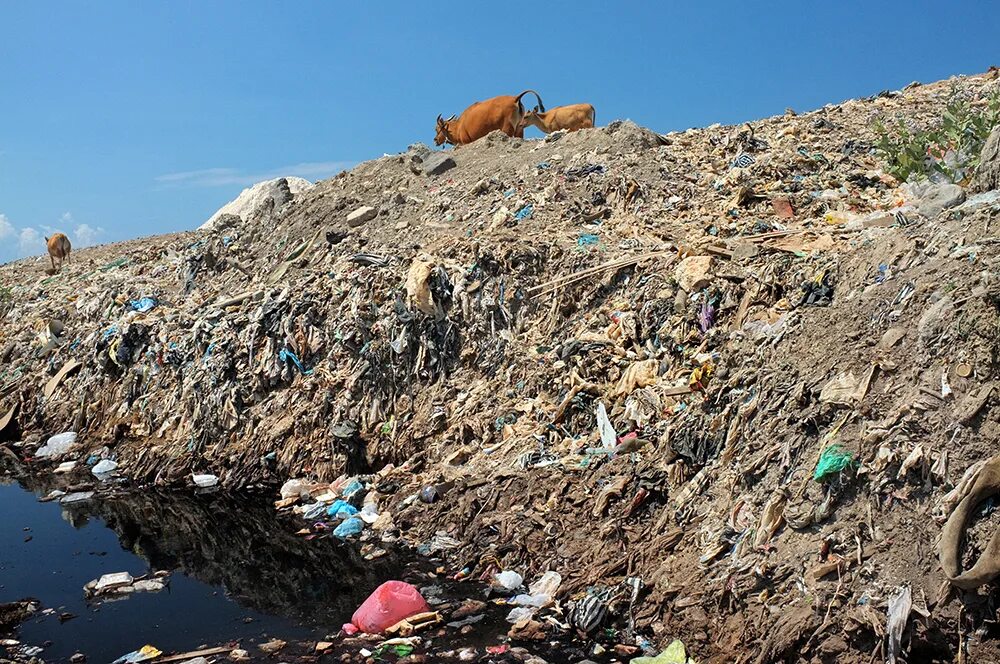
[741, 299]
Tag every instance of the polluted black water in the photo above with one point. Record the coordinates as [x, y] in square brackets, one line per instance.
[237, 571]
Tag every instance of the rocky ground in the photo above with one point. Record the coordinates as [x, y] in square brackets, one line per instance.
[796, 355]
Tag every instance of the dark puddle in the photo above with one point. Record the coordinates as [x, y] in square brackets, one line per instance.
[238, 572]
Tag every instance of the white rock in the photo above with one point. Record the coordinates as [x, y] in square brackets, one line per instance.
[694, 273]
[361, 215]
[252, 199]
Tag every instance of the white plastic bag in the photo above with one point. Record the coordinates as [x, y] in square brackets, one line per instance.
[56, 445]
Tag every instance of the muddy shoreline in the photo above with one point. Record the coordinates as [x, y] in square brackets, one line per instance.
[231, 553]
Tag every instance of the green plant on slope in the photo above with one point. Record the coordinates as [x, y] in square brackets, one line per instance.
[949, 147]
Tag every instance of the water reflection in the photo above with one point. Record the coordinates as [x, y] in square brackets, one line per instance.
[239, 570]
[239, 543]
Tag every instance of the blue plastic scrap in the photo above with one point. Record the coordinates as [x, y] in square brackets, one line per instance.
[142, 305]
[587, 239]
[286, 355]
[352, 488]
[351, 526]
[314, 511]
[341, 509]
[525, 212]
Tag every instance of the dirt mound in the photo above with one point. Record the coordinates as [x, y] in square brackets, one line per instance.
[737, 364]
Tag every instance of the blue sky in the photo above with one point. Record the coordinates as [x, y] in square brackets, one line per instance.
[122, 119]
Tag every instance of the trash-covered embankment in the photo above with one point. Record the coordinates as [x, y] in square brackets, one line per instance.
[744, 369]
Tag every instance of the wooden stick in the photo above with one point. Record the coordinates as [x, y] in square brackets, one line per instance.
[801, 231]
[242, 297]
[559, 282]
[575, 390]
[597, 268]
[195, 653]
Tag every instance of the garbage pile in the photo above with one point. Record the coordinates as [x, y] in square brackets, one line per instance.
[728, 383]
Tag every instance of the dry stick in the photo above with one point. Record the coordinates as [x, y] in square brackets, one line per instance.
[829, 606]
[799, 231]
[559, 282]
[238, 299]
[576, 389]
[597, 268]
[961, 644]
[194, 653]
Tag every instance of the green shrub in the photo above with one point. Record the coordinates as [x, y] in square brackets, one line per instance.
[949, 147]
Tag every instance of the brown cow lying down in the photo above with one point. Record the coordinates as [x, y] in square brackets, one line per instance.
[504, 113]
[59, 248]
[570, 118]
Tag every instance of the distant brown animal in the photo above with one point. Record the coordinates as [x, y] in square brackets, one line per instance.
[59, 248]
[570, 118]
[504, 113]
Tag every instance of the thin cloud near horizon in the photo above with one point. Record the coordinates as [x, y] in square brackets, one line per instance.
[21, 241]
[222, 177]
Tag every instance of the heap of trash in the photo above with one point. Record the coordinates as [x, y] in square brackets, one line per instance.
[733, 385]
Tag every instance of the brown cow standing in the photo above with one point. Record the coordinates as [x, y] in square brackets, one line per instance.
[571, 118]
[59, 248]
[504, 113]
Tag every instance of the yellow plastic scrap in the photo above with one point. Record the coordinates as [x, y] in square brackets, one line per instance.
[702, 372]
[150, 652]
[674, 654]
[141, 655]
[113, 350]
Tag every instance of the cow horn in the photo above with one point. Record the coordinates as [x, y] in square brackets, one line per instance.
[452, 118]
[439, 119]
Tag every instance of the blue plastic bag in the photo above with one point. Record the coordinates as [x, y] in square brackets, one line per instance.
[351, 526]
[143, 305]
[341, 509]
[352, 488]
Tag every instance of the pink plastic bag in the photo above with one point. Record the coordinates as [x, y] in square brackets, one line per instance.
[391, 602]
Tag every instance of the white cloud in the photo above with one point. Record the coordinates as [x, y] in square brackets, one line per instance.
[85, 235]
[30, 242]
[221, 177]
[7, 229]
